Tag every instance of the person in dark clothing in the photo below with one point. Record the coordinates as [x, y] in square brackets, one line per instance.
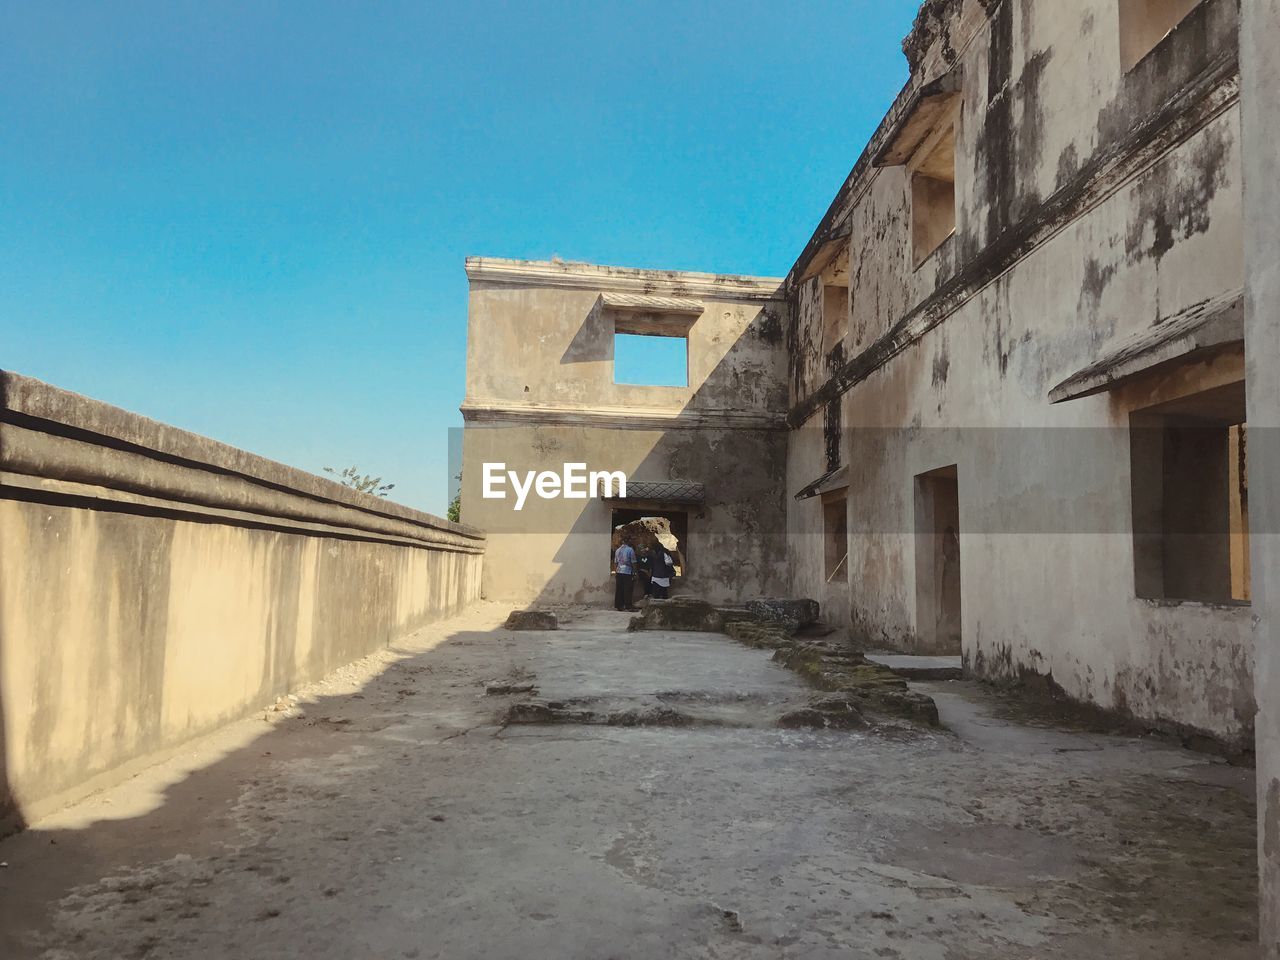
[624, 562]
[644, 568]
[661, 569]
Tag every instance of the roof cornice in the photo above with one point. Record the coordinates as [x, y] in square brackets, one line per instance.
[505, 413]
[589, 276]
[923, 85]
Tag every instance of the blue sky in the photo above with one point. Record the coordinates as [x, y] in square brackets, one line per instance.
[249, 219]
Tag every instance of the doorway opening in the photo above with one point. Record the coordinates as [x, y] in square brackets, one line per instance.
[937, 502]
[835, 535]
[679, 520]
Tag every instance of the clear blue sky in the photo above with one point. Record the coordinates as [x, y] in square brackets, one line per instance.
[249, 219]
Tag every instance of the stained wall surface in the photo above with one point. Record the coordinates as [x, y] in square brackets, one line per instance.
[1093, 204]
[1260, 81]
[155, 585]
[541, 393]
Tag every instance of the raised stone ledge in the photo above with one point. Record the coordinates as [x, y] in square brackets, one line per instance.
[476, 410]
[592, 276]
[68, 445]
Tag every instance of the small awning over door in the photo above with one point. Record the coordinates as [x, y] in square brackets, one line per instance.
[663, 491]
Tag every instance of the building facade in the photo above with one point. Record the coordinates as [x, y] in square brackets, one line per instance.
[996, 408]
[1260, 116]
[708, 453]
[1017, 365]
[999, 406]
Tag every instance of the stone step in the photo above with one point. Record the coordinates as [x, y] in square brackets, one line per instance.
[920, 668]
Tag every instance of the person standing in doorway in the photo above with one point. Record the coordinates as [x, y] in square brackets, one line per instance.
[624, 564]
[644, 570]
[663, 568]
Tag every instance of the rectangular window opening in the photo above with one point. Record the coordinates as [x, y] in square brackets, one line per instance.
[933, 196]
[835, 539]
[1145, 23]
[651, 360]
[1190, 489]
[834, 288]
[835, 316]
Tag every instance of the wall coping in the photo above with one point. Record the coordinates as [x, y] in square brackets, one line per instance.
[67, 438]
[477, 410]
[590, 276]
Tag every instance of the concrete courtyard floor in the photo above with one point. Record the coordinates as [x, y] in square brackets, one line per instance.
[393, 817]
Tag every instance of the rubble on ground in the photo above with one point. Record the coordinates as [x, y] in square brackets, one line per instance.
[552, 711]
[285, 708]
[844, 716]
[868, 686]
[792, 614]
[531, 620]
[682, 613]
[543, 711]
[825, 663]
[502, 688]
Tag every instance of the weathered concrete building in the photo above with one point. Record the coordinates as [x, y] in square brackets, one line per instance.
[1015, 377]
[1022, 314]
[709, 455]
[1013, 371]
[1260, 117]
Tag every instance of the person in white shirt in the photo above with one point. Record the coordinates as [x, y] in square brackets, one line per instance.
[624, 563]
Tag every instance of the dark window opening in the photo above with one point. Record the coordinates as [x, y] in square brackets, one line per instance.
[1190, 488]
[933, 197]
[835, 539]
[835, 317]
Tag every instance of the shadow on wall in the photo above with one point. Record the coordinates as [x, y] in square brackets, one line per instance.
[736, 545]
[10, 816]
[737, 537]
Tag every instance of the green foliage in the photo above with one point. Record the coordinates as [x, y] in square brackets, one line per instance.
[364, 483]
[455, 505]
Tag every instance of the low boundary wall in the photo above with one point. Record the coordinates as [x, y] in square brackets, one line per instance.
[155, 585]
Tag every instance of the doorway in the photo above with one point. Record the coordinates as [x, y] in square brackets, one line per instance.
[679, 520]
[937, 503]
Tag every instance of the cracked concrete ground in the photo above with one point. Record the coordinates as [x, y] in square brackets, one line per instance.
[394, 819]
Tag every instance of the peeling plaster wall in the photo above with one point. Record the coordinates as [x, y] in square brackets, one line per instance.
[540, 394]
[155, 585]
[1260, 81]
[558, 551]
[805, 349]
[1081, 219]
[806, 529]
